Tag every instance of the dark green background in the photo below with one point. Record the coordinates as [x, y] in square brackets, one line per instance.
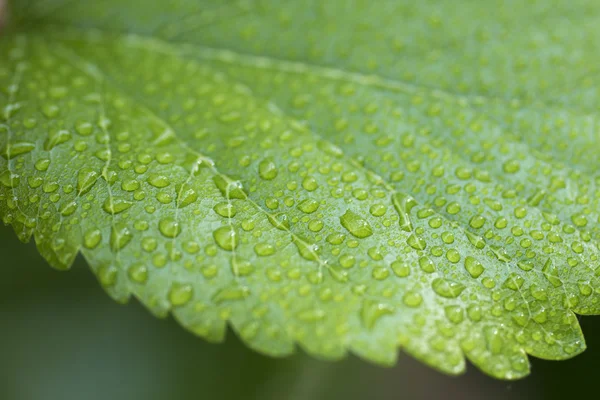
[62, 338]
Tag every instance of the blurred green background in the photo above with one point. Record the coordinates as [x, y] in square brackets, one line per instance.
[62, 338]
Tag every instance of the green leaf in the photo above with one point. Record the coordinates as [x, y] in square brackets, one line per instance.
[343, 176]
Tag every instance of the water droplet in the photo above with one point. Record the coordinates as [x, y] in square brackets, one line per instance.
[477, 222]
[373, 311]
[400, 268]
[447, 288]
[138, 273]
[307, 250]
[455, 314]
[120, 236]
[404, 204]
[116, 205]
[13, 150]
[426, 265]
[86, 178]
[311, 315]
[416, 242]
[279, 221]
[84, 128]
[473, 267]
[158, 181]
[42, 164]
[130, 185]
[535, 199]
[412, 299]
[186, 195]
[229, 189]
[107, 275]
[267, 169]
[180, 294]
[380, 273]
[56, 138]
[511, 166]
[356, 225]
[514, 281]
[231, 294]
[475, 240]
[264, 249]
[494, 340]
[169, 227]
[579, 220]
[309, 183]
[453, 256]
[92, 239]
[9, 179]
[68, 209]
[308, 206]
[550, 271]
[377, 210]
[149, 244]
[347, 261]
[225, 209]
[226, 238]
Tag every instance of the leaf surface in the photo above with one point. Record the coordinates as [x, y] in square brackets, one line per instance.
[343, 176]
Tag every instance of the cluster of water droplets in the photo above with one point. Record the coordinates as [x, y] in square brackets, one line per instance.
[387, 218]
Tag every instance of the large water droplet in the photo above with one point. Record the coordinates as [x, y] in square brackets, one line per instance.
[267, 169]
[138, 272]
[447, 288]
[279, 221]
[550, 271]
[308, 206]
[12, 150]
[116, 205]
[416, 242]
[473, 267]
[180, 294]
[403, 204]
[86, 178]
[226, 238]
[55, 138]
[169, 227]
[186, 195]
[356, 225]
[229, 189]
[307, 250]
[120, 236]
[92, 239]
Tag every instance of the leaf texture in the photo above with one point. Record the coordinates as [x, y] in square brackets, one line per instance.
[343, 176]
